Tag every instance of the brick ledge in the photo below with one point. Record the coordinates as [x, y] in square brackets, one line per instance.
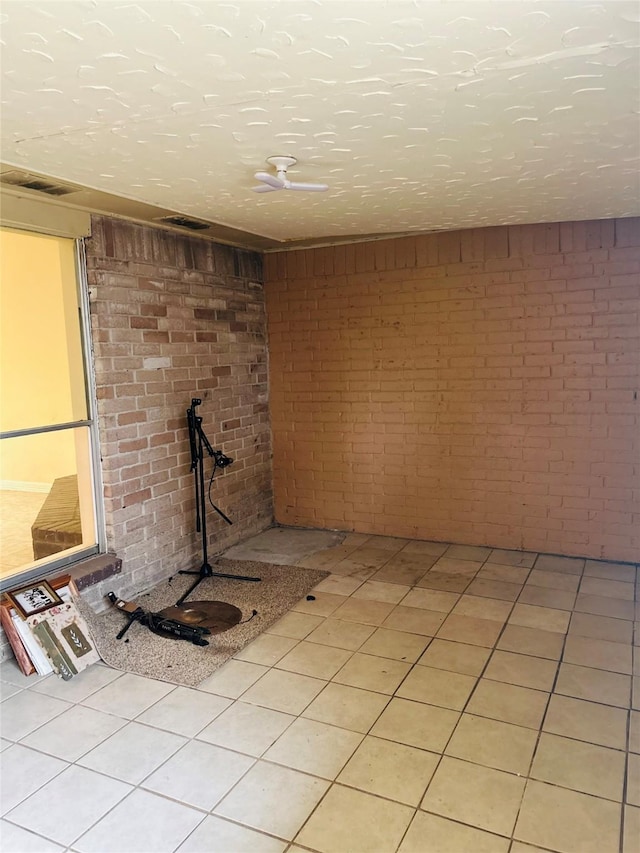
[91, 571]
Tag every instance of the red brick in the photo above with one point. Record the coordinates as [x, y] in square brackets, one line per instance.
[444, 389]
[627, 232]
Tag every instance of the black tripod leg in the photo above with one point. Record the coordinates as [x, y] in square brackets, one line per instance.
[202, 577]
[131, 620]
[235, 577]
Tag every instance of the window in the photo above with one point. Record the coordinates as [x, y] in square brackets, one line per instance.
[49, 474]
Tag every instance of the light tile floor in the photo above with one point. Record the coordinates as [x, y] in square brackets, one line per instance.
[431, 698]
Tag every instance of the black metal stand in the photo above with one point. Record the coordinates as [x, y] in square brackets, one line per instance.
[199, 443]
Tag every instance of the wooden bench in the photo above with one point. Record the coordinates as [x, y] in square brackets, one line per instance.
[58, 525]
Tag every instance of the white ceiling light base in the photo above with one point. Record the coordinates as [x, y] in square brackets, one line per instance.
[282, 163]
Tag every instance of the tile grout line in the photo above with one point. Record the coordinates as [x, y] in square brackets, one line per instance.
[625, 779]
[541, 726]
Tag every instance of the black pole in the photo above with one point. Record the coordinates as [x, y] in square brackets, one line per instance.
[202, 509]
[197, 442]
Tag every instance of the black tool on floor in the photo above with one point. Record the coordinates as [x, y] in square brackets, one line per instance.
[157, 623]
[198, 443]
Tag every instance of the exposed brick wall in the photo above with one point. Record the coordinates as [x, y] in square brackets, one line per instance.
[173, 318]
[477, 387]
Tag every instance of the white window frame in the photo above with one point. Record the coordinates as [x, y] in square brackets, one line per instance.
[52, 220]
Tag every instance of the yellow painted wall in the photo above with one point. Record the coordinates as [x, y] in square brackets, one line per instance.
[41, 379]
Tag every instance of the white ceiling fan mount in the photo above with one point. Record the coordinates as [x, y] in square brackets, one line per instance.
[279, 181]
[282, 163]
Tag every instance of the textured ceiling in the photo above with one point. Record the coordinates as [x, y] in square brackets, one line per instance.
[419, 115]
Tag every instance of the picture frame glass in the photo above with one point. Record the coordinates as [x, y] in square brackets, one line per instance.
[34, 598]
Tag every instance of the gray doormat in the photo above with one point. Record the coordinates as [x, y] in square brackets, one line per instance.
[179, 661]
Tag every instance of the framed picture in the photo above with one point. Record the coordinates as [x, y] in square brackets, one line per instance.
[33, 598]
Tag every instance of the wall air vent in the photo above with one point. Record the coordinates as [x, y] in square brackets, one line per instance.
[33, 182]
[185, 222]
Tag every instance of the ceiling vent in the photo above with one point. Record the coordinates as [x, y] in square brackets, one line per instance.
[33, 182]
[185, 222]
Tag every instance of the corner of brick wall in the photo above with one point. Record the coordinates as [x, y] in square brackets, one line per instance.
[175, 317]
[476, 386]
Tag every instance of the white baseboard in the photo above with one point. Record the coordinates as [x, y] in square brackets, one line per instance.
[21, 486]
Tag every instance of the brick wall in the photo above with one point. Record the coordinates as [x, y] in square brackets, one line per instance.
[173, 318]
[477, 387]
